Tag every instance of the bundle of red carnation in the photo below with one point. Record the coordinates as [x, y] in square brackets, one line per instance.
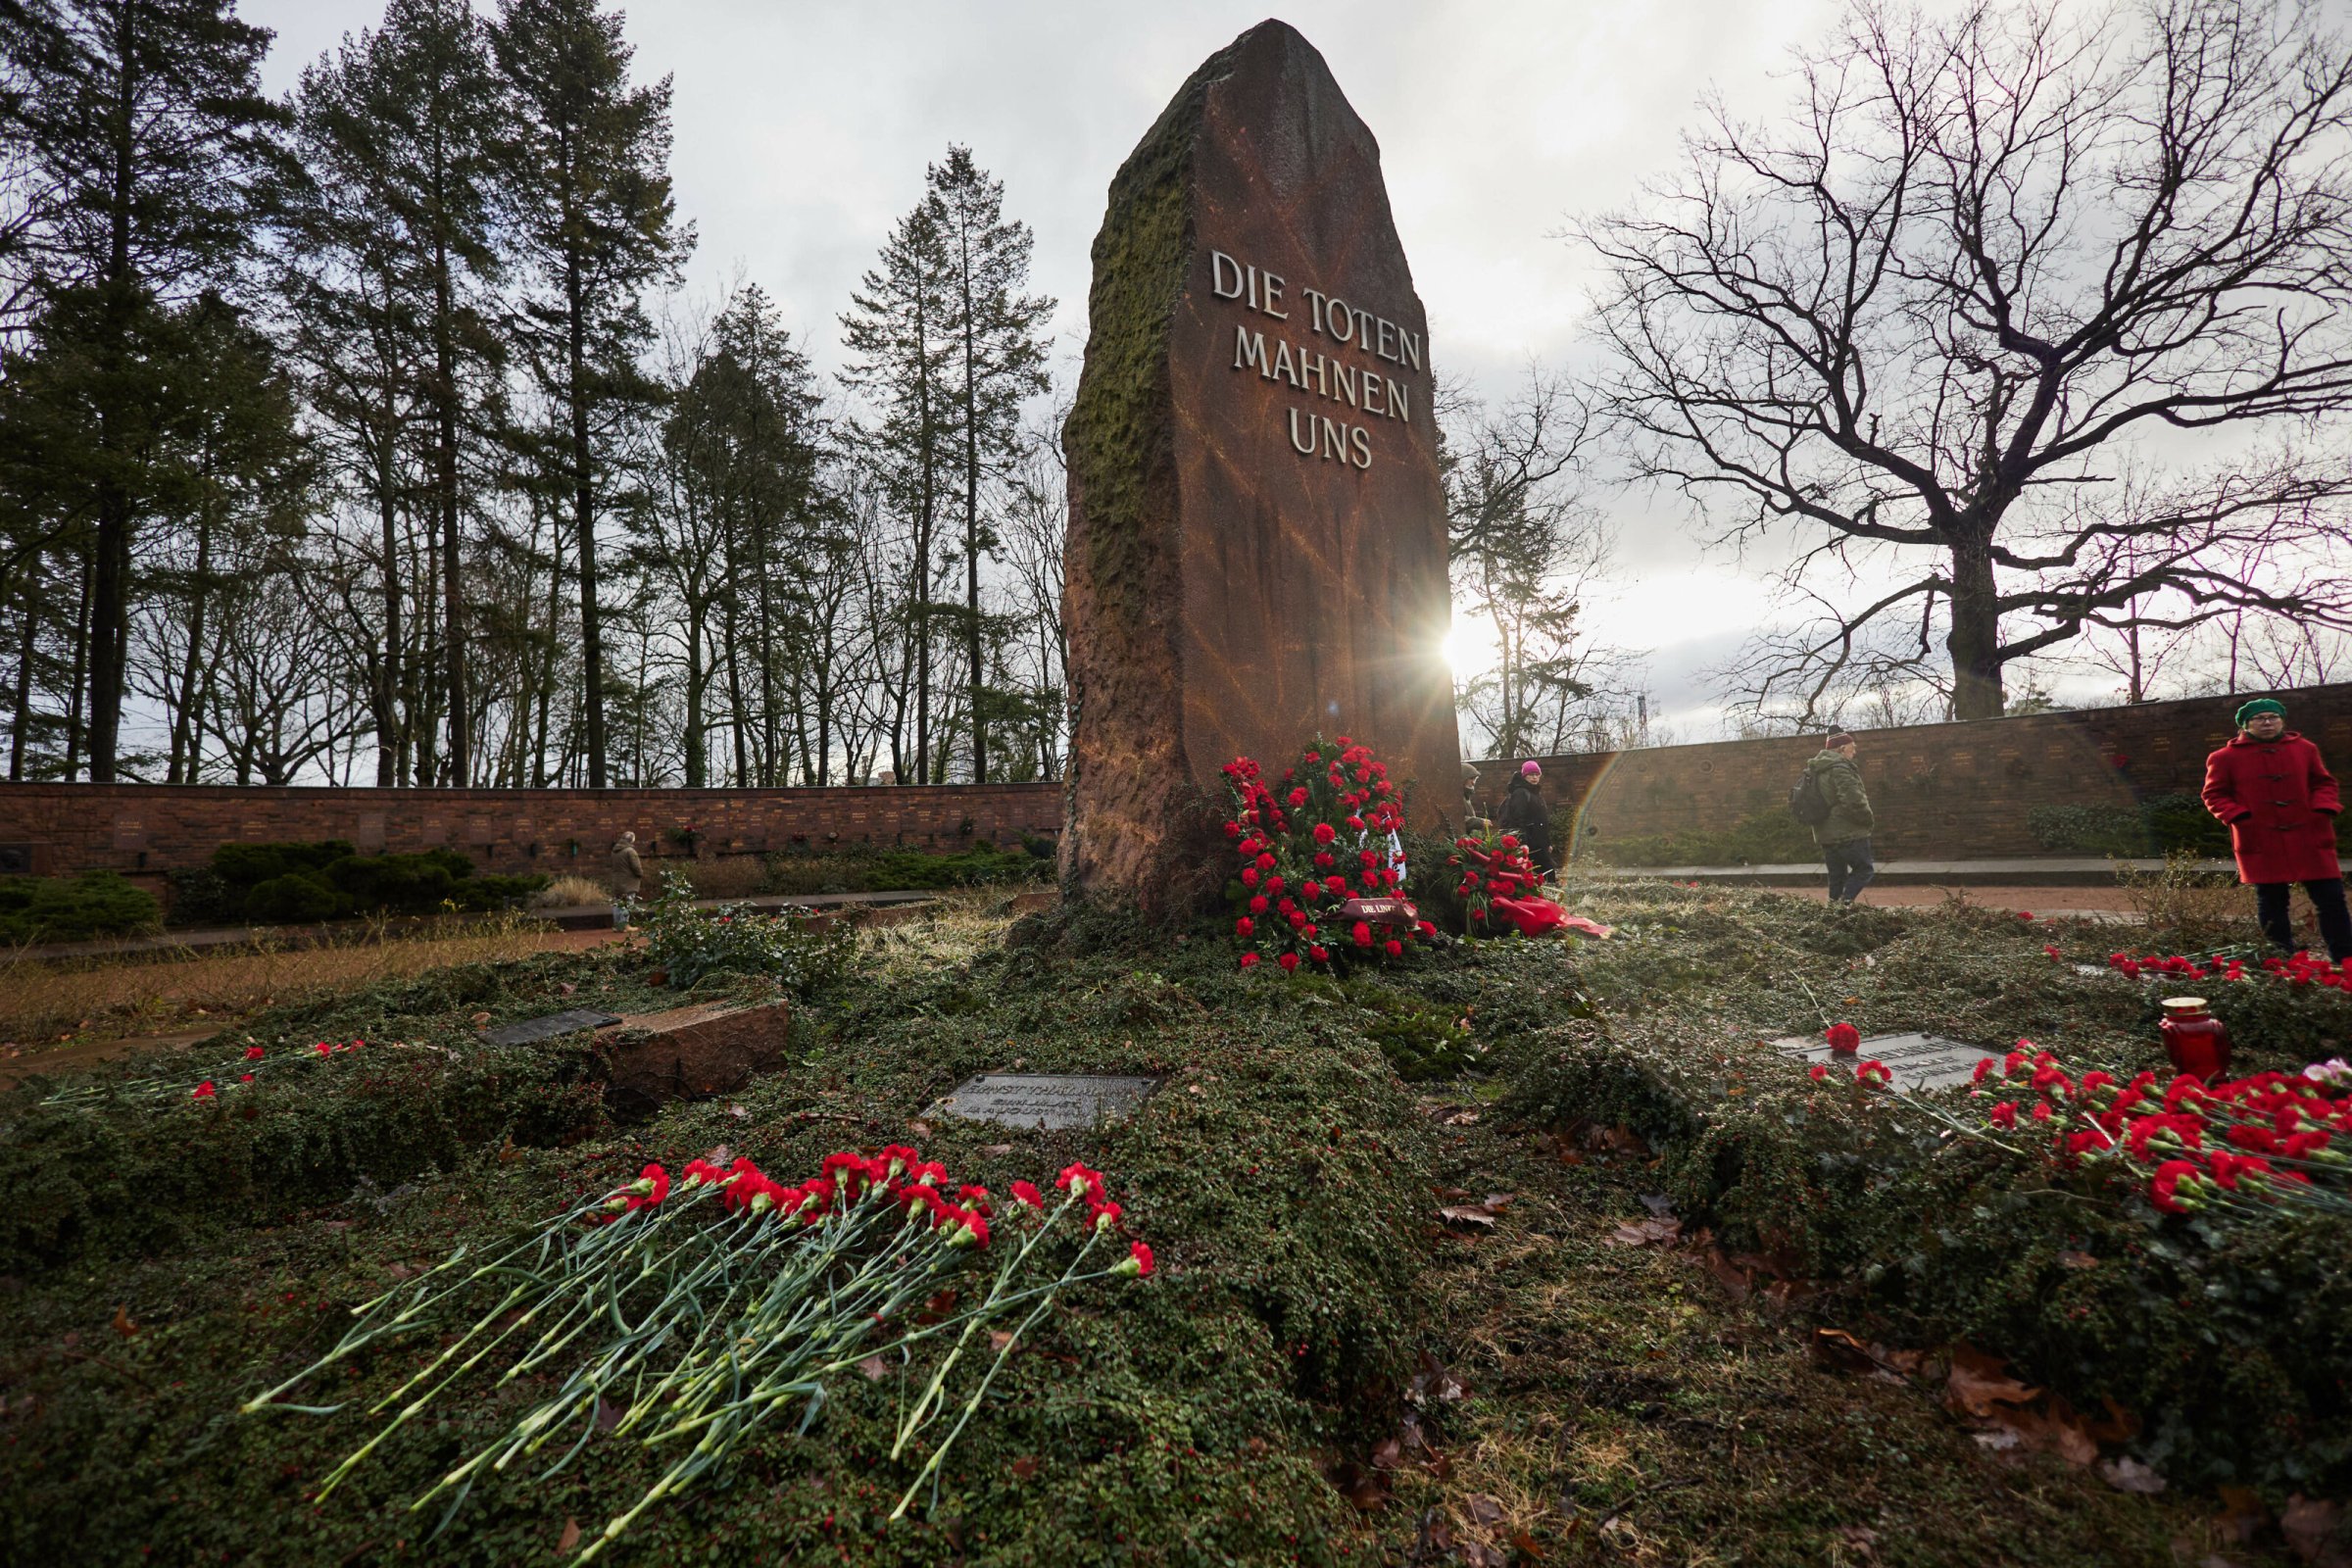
[1328, 830]
[719, 1300]
[2238, 1146]
[1498, 885]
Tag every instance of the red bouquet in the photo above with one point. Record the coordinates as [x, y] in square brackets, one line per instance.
[1499, 887]
[1319, 859]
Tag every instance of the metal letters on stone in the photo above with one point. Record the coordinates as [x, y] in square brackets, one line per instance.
[1047, 1100]
[551, 1027]
[1917, 1060]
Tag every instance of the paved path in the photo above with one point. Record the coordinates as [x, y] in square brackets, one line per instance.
[2023, 871]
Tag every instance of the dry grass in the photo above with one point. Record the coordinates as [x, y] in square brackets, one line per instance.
[2185, 901]
[49, 1003]
[570, 892]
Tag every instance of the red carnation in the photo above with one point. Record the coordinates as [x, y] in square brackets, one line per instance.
[1289, 961]
[1362, 934]
[1139, 1259]
[253, 1053]
[1874, 1072]
[1818, 1071]
[1319, 955]
[1843, 1038]
[1299, 797]
[1258, 904]
[1077, 1177]
[2004, 1114]
[1393, 947]
[203, 1090]
[1249, 961]
[1027, 1193]
[1325, 833]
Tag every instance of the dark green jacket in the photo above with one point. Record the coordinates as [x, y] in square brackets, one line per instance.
[1850, 808]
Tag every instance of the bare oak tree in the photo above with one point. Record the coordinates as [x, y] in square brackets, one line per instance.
[2031, 319]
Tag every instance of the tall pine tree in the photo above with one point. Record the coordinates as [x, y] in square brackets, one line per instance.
[588, 174]
[144, 120]
[997, 360]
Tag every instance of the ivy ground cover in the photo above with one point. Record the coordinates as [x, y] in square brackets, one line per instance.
[1476, 1258]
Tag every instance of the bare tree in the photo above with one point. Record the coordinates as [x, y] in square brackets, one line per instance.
[2031, 319]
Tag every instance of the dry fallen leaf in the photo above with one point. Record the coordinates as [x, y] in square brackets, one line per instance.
[996, 1151]
[920, 1129]
[481, 1020]
[2309, 1525]
[1483, 1510]
[738, 1113]
[570, 1536]
[1467, 1214]
[2073, 1259]
[874, 1368]
[1388, 1453]
[123, 1324]
[1025, 1466]
[1462, 1118]
[1979, 1384]
[1646, 1233]
[2127, 1474]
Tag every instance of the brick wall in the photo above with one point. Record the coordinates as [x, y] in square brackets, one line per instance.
[1939, 790]
[146, 830]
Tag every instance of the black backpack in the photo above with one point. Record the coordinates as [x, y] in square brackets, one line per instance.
[1807, 803]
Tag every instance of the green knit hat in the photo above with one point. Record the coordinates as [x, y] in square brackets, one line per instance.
[2258, 706]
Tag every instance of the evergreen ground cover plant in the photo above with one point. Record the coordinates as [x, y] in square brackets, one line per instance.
[1389, 1321]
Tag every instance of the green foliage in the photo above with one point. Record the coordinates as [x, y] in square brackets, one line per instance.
[1763, 838]
[868, 870]
[1185, 1419]
[95, 904]
[690, 942]
[2221, 1337]
[2161, 824]
[300, 884]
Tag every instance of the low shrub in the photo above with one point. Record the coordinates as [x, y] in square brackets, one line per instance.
[2161, 824]
[687, 942]
[303, 884]
[2227, 1340]
[95, 904]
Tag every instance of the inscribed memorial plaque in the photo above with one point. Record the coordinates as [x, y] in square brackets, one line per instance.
[1917, 1060]
[554, 1026]
[1256, 548]
[1048, 1101]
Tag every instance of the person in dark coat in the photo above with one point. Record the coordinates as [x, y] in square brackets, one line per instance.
[2273, 789]
[1844, 836]
[1525, 817]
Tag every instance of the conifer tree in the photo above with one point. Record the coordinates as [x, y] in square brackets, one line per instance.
[998, 359]
[595, 224]
[144, 122]
[389, 277]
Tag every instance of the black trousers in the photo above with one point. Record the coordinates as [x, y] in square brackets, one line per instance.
[1850, 868]
[2327, 898]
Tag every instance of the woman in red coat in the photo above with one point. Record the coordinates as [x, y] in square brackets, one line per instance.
[2276, 793]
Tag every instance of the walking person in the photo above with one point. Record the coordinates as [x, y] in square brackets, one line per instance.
[628, 878]
[1842, 822]
[1525, 816]
[2273, 788]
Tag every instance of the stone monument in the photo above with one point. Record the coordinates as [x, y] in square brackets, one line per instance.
[1257, 545]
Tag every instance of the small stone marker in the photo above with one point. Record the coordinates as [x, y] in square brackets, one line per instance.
[554, 1026]
[693, 1052]
[1047, 1100]
[1917, 1060]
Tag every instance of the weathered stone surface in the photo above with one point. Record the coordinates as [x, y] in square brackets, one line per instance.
[1917, 1060]
[691, 1052]
[551, 1027]
[1049, 1100]
[1257, 545]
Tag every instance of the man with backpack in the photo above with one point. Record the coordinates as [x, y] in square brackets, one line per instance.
[1828, 799]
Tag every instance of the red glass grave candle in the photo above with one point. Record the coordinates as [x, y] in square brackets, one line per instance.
[2197, 1042]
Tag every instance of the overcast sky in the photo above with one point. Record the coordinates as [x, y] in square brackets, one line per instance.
[803, 132]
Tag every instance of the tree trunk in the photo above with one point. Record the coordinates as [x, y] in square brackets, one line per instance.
[21, 715]
[192, 666]
[583, 507]
[1976, 637]
[445, 496]
[971, 521]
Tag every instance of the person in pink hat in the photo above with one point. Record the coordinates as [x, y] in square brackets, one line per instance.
[1525, 816]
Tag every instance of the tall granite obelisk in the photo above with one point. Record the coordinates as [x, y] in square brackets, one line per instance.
[1257, 545]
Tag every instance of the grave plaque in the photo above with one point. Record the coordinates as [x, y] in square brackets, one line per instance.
[1256, 547]
[1044, 1101]
[554, 1026]
[1917, 1060]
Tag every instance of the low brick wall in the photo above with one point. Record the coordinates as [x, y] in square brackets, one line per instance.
[1939, 790]
[147, 830]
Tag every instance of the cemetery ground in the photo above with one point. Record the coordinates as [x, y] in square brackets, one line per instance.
[1509, 1253]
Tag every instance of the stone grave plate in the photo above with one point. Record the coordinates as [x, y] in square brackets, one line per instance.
[1917, 1060]
[553, 1026]
[1048, 1101]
